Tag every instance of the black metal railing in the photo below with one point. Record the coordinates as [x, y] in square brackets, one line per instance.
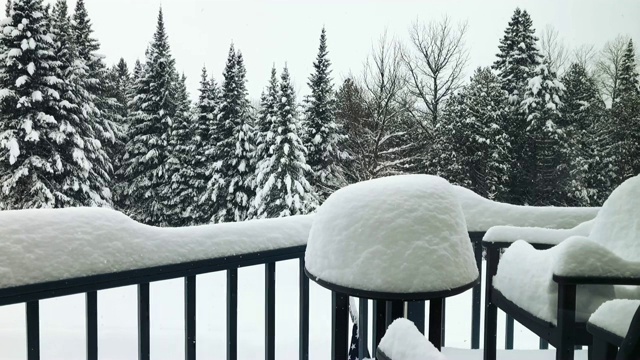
[89, 285]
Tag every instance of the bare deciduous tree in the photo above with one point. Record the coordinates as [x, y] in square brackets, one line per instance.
[435, 60]
[553, 49]
[585, 55]
[608, 66]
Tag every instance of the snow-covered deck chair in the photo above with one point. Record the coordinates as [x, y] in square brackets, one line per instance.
[616, 324]
[554, 291]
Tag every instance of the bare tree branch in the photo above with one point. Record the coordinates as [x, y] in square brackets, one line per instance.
[553, 49]
[608, 66]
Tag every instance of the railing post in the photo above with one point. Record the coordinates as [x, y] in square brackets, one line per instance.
[363, 328]
[416, 313]
[232, 314]
[304, 313]
[435, 322]
[476, 305]
[566, 321]
[143, 322]
[379, 322]
[190, 317]
[270, 311]
[544, 344]
[33, 330]
[491, 311]
[340, 326]
[91, 301]
[508, 340]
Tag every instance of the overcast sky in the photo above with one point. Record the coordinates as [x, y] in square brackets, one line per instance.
[279, 31]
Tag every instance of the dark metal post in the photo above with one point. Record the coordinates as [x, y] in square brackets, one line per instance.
[566, 321]
[416, 313]
[442, 320]
[91, 303]
[508, 340]
[476, 239]
[340, 326]
[544, 344]
[232, 314]
[190, 317]
[143, 322]
[270, 311]
[363, 328]
[435, 322]
[395, 310]
[304, 313]
[33, 330]
[379, 322]
[491, 311]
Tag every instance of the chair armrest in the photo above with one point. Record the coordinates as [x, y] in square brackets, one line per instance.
[506, 244]
[596, 280]
[535, 235]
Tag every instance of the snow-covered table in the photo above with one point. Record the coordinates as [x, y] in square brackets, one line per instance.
[393, 239]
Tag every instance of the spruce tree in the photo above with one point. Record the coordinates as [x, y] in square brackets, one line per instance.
[623, 152]
[322, 135]
[180, 194]
[31, 163]
[204, 137]
[283, 188]
[147, 151]
[517, 62]
[545, 170]
[7, 8]
[268, 111]
[232, 185]
[582, 117]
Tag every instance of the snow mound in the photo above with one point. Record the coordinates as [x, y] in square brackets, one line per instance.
[482, 214]
[77, 242]
[615, 316]
[399, 234]
[403, 341]
[612, 249]
[536, 235]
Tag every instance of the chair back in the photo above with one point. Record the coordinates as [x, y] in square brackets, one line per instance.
[630, 349]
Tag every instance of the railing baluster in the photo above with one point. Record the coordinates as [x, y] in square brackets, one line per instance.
[395, 310]
[508, 342]
[416, 313]
[363, 328]
[91, 300]
[544, 344]
[442, 321]
[339, 326]
[232, 314]
[190, 317]
[270, 311]
[143, 322]
[476, 306]
[304, 313]
[435, 322]
[33, 330]
[379, 322]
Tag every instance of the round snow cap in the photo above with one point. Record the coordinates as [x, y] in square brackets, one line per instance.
[403, 236]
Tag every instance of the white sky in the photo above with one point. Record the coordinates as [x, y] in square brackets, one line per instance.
[279, 31]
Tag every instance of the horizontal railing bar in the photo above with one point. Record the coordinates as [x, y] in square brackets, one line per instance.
[25, 293]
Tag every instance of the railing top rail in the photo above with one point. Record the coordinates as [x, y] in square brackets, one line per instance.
[31, 292]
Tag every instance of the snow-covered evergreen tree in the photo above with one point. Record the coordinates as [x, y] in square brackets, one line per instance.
[517, 62]
[232, 186]
[545, 168]
[31, 158]
[268, 111]
[283, 188]
[623, 153]
[7, 8]
[322, 135]
[582, 118]
[180, 194]
[147, 151]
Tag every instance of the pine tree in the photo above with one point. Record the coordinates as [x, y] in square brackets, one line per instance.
[283, 188]
[180, 194]
[232, 185]
[204, 140]
[623, 152]
[517, 62]
[7, 8]
[268, 111]
[582, 115]
[545, 144]
[322, 136]
[106, 127]
[146, 153]
[31, 167]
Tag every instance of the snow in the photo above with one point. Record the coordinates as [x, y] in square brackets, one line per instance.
[14, 150]
[31, 68]
[615, 316]
[21, 80]
[371, 235]
[403, 341]
[36, 96]
[610, 250]
[482, 214]
[536, 235]
[76, 242]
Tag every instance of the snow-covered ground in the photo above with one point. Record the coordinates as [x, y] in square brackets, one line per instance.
[62, 322]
